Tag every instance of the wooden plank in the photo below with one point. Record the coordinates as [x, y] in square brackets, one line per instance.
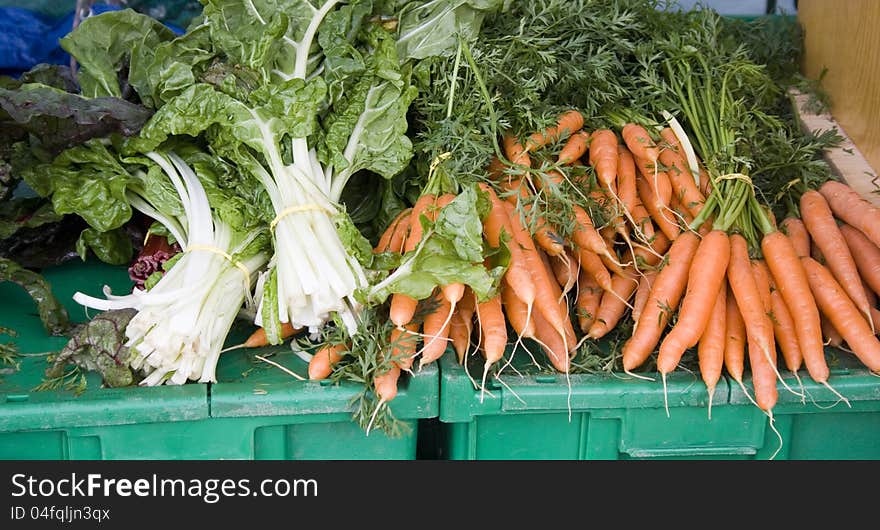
[843, 37]
[847, 160]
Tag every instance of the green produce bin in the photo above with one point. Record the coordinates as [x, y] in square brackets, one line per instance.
[98, 423]
[256, 411]
[587, 417]
[822, 426]
[269, 414]
[618, 417]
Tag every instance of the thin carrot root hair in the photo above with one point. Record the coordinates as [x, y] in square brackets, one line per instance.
[778, 434]
[637, 376]
[486, 367]
[519, 338]
[235, 347]
[779, 375]
[531, 355]
[801, 385]
[746, 392]
[373, 416]
[435, 337]
[711, 391]
[665, 393]
[836, 393]
[508, 387]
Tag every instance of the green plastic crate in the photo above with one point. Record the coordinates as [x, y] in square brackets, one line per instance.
[587, 417]
[820, 427]
[256, 411]
[273, 415]
[99, 423]
[613, 418]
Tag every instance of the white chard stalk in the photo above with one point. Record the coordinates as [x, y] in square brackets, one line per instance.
[183, 320]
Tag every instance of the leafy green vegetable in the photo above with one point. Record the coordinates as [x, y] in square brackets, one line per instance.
[87, 180]
[97, 346]
[451, 251]
[53, 315]
[62, 119]
[113, 247]
[116, 40]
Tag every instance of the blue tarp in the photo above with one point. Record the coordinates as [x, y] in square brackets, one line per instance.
[28, 38]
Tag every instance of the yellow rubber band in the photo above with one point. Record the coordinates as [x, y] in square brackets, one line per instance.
[220, 252]
[295, 209]
[735, 176]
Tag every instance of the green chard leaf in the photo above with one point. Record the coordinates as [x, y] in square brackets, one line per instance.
[99, 346]
[87, 180]
[53, 315]
[60, 119]
[433, 28]
[367, 128]
[113, 247]
[452, 251]
[105, 44]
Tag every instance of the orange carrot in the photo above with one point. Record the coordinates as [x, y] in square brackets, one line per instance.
[258, 338]
[665, 295]
[705, 279]
[626, 179]
[853, 209]
[710, 349]
[493, 331]
[842, 313]
[824, 231]
[517, 313]
[545, 301]
[567, 123]
[321, 364]
[460, 333]
[385, 384]
[658, 210]
[403, 306]
[639, 142]
[392, 238]
[705, 182]
[561, 301]
[646, 280]
[498, 221]
[613, 305]
[684, 187]
[603, 155]
[735, 339]
[462, 325]
[404, 341]
[759, 328]
[594, 266]
[585, 234]
[763, 376]
[641, 219]
[565, 271]
[589, 296]
[791, 282]
[552, 343]
[866, 256]
[830, 333]
[515, 152]
[435, 330]
[785, 330]
[574, 148]
[794, 228]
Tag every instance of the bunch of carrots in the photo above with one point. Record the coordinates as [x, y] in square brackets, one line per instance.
[691, 255]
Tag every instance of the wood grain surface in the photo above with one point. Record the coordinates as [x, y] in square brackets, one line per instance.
[844, 37]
